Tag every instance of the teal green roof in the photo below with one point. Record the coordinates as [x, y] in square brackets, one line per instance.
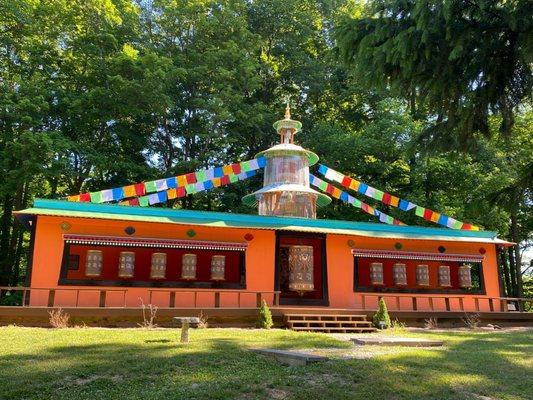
[231, 220]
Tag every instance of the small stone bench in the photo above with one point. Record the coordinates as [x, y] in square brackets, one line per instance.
[185, 323]
[397, 341]
[290, 357]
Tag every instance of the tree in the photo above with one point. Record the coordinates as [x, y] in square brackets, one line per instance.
[463, 60]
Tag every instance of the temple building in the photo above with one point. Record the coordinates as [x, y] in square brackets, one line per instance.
[101, 250]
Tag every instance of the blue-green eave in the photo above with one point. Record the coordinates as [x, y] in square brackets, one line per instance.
[231, 220]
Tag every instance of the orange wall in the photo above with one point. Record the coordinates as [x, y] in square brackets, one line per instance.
[260, 258]
[48, 252]
[341, 270]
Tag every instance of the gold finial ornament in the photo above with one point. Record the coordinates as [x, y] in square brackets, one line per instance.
[288, 107]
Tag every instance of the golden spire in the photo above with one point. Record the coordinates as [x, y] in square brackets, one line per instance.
[288, 107]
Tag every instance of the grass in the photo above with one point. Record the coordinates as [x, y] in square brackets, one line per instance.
[92, 363]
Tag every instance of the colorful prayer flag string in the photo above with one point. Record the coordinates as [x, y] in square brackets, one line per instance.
[146, 192]
[182, 191]
[344, 196]
[388, 199]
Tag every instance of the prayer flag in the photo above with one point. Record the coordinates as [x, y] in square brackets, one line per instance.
[118, 193]
[201, 176]
[227, 170]
[96, 197]
[181, 191]
[190, 177]
[254, 164]
[171, 194]
[354, 184]
[74, 198]
[393, 201]
[208, 185]
[129, 191]
[322, 169]
[190, 188]
[139, 189]
[261, 161]
[161, 184]
[362, 188]
[153, 198]
[216, 182]
[344, 196]
[162, 196]
[172, 183]
[134, 201]
[236, 168]
[218, 172]
[419, 211]
[386, 198]
[378, 195]
[107, 195]
[346, 181]
[143, 201]
[182, 181]
[85, 197]
[150, 187]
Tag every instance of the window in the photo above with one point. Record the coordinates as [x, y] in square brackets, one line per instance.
[422, 275]
[400, 274]
[188, 266]
[376, 273]
[126, 264]
[218, 266]
[159, 266]
[93, 266]
[444, 276]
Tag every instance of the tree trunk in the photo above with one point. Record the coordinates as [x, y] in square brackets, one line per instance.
[512, 269]
[516, 250]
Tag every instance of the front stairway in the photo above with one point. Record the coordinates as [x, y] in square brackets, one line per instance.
[328, 323]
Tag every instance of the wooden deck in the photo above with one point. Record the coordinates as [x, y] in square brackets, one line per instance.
[241, 317]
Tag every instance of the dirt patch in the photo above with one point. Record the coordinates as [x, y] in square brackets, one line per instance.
[278, 394]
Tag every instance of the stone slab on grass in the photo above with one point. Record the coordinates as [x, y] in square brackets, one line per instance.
[397, 341]
[290, 357]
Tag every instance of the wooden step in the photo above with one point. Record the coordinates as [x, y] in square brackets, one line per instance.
[346, 323]
[326, 316]
[332, 322]
[335, 329]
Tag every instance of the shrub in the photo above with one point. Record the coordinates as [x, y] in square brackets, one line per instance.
[58, 318]
[264, 319]
[203, 324]
[382, 315]
[431, 323]
[148, 320]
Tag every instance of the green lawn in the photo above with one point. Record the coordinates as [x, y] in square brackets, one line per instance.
[91, 363]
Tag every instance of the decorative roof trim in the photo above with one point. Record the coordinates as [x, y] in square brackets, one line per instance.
[412, 255]
[153, 242]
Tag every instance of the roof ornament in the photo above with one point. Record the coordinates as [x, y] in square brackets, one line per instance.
[287, 127]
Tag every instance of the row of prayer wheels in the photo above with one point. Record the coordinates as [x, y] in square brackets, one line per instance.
[126, 265]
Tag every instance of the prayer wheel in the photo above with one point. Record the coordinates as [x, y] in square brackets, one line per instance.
[400, 274]
[218, 268]
[376, 274]
[422, 275]
[188, 266]
[301, 269]
[159, 266]
[93, 265]
[444, 276]
[126, 264]
[465, 276]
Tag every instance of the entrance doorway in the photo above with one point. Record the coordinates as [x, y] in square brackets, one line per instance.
[314, 244]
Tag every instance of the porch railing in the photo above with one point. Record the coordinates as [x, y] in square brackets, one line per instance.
[411, 302]
[364, 301]
[103, 292]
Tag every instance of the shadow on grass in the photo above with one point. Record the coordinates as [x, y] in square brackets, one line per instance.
[154, 365]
